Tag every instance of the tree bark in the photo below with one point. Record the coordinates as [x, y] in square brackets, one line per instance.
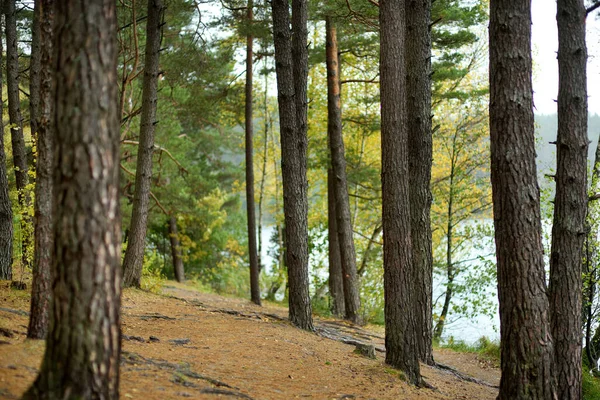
[134, 255]
[527, 349]
[6, 214]
[16, 126]
[570, 204]
[340, 182]
[83, 344]
[176, 250]
[43, 239]
[34, 70]
[336, 282]
[291, 63]
[420, 142]
[401, 344]
[250, 205]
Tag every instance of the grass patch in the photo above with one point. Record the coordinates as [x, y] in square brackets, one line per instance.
[484, 347]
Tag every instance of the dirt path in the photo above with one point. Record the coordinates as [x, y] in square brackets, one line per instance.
[206, 346]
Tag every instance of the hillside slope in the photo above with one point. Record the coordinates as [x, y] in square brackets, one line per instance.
[190, 344]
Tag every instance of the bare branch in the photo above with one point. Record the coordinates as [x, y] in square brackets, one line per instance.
[161, 149]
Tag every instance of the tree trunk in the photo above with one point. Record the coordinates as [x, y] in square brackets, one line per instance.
[83, 344]
[570, 204]
[420, 142]
[526, 342]
[16, 127]
[369, 249]
[590, 264]
[336, 282]
[263, 175]
[450, 273]
[250, 205]
[401, 343]
[291, 95]
[43, 239]
[134, 255]
[6, 214]
[34, 70]
[340, 183]
[176, 250]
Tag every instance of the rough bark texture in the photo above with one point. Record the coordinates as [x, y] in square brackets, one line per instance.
[134, 255]
[83, 346]
[570, 204]
[6, 215]
[400, 331]
[176, 250]
[420, 142]
[250, 205]
[336, 282]
[340, 183]
[291, 95]
[43, 239]
[16, 123]
[526, 343]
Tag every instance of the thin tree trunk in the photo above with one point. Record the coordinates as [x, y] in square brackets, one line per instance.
[450, 274]
[16, 127]
[134, 255]
[590, 264]
[176, 250]
[418, 68]
[369, 249]
[43, 238]
[527, 351]
[401, 344]
[34, 70]
[570, 204]
[250, 205]
[291, 94]
[340, 183]
[336, 281]
[83, 344]
[6, 214]
[263, 175]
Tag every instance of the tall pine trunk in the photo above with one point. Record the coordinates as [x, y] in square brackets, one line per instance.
[43, 238]
[176, 250]
[336, 282]
[420, 142]
[6, 214]
[401, 343]
[291, 60]
[527, 349]
[340, 183]
[134, 255]
[83, 344]
[570, 204]
[20, 162]
[250, 205]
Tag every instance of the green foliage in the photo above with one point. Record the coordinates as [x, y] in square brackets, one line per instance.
[484, 347]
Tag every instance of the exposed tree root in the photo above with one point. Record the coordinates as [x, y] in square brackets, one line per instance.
[464, 377]
[183, 370]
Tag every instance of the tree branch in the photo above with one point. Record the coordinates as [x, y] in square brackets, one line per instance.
[151, 194]
[161, 149]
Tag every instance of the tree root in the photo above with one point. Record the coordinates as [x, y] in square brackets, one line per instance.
[181, 370]
[462, 376]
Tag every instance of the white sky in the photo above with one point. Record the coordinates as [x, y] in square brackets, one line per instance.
[545, 68]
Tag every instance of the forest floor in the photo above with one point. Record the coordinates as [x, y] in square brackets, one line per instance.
[184, 343]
